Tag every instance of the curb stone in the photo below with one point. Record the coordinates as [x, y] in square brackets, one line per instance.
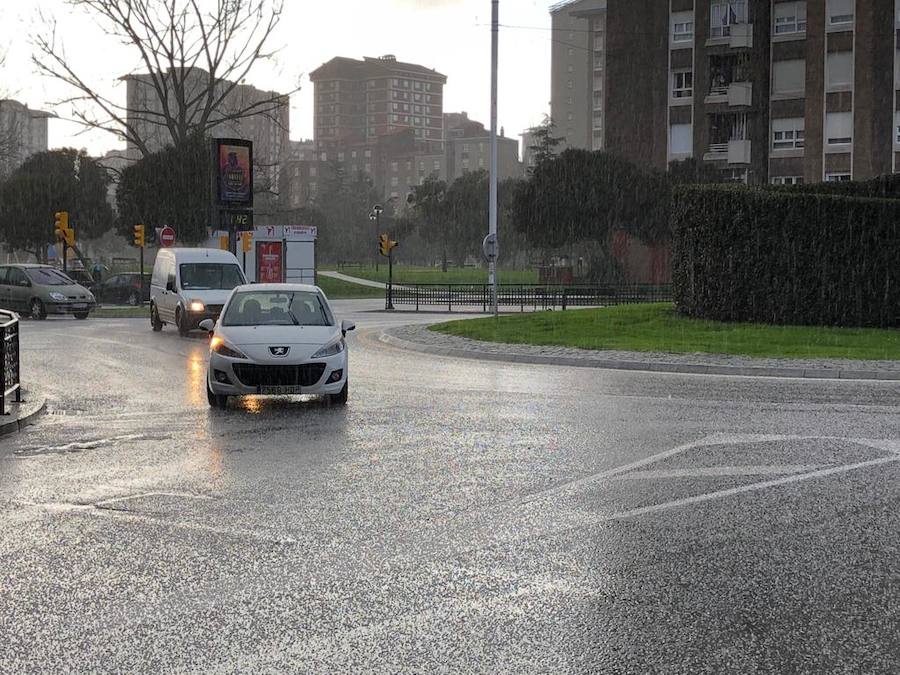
[647, 366]
[34, 405]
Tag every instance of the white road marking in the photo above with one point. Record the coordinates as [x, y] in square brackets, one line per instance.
[719, 471]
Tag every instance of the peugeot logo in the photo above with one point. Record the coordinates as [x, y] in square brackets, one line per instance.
[279, 351]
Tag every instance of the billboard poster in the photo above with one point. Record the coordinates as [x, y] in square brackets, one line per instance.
[234, 159]
[268, 262]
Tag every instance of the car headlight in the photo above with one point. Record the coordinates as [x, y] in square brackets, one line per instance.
[330, 350]
[197, 306]
[222, 348]
[59, 297]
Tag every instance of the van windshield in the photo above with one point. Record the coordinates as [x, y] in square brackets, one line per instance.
[210, 276]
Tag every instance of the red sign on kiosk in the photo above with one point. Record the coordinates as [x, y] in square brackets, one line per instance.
[269, 268]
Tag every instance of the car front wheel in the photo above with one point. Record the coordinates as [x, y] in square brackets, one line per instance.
[340, 398]
[38, 311]
[81, 315]
[219, 401]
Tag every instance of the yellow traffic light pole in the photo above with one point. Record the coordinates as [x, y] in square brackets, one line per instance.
[64, 235]
[140, 241]
[386, 247]
[246, 243]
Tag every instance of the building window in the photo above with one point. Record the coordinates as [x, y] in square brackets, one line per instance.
[683, 27]
[570, 84]
[787, 180]
[839, 128]
[393, 167]
[839, 71]
[840, 12]
[312, 186]
[837, 177]
[788, 133]
[312, 171]
[681, 139]
[734, 175]
[368, 154]
[724, 15]
[682, 84]
[897, 128]
[789, 78]
[340, 156]
[790, 17]
[395, 181]
[353, 154]
[437, 165]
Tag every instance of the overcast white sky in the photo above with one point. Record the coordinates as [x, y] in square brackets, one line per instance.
[452, 36]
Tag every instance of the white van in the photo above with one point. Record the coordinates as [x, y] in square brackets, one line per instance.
[191, 284]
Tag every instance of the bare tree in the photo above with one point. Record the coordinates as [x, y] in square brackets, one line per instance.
[193, 56]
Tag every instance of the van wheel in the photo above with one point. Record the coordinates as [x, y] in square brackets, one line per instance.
[181, 322]
[38, 311]
[155, 323]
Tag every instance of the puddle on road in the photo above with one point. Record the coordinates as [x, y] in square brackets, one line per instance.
[80, 446]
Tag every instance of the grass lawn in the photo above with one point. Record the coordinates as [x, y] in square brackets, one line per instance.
[336, 289]
[410, 274]
[657, 328]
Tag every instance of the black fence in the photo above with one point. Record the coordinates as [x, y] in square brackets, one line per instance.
[9, 359]
[526, 296]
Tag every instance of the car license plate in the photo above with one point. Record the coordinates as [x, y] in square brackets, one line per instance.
[79, 306]
[279, 390]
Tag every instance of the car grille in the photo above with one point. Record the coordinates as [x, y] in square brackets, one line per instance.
[214, 309]
[253, 375]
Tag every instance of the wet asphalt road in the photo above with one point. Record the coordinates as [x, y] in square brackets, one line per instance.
[456, 516]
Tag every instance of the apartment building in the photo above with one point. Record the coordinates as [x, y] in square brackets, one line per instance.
[23, 132]
[269, 129]
[468, 148]
[767, 91]
[356, 102]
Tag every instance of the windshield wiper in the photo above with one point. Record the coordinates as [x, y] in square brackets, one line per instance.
[291, 312]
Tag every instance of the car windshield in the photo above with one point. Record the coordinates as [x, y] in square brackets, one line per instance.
[45, 276]
[277, 308]
[210, 276]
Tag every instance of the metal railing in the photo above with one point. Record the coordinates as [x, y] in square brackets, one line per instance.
[9, 359]
[530, 296]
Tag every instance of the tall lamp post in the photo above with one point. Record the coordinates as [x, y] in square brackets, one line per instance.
[492, 232]
[375, 217]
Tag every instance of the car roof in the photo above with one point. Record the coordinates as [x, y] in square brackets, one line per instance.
[278, 287]
[200, 255]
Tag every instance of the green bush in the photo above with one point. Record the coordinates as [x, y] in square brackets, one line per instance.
[787, 256]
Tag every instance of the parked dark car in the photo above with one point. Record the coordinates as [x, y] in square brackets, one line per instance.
[80, 277]
[123, 289]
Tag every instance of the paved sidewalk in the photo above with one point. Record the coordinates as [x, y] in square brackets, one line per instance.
[419, 338]
[353, 280]
[20, 414]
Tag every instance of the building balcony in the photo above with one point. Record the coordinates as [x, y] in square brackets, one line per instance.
[741, 36]
[736, 94]
[738, 152]
[732, 152]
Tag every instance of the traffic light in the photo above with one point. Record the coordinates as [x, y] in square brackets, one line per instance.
[246, 241]
[223, 242]
[385, 245]
[139, 236]
[61, 228]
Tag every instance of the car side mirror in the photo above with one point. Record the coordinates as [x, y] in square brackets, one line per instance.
[208, 325]
[170, 285]
[25, 283]
[346, 327]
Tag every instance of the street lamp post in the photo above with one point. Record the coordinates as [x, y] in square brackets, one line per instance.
[492, 264]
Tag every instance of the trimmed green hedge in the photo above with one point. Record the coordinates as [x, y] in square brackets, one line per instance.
[786, 257]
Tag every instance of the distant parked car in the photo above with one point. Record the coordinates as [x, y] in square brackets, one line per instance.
[39, 290]
[123, 289]
[81, 277]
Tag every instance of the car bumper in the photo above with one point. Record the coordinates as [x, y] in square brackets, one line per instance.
[239, 384]
[69, 307]
[194, 318]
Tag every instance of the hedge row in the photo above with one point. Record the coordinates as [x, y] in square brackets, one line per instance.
[785, 257]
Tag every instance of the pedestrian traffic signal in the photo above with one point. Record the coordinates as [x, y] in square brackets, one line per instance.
[139, 236]
[386, 245]
[246, 241]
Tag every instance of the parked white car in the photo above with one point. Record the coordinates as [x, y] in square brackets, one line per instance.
[191, 284]
[277, 339]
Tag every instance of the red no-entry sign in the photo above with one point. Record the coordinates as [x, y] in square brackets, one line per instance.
[166, 236]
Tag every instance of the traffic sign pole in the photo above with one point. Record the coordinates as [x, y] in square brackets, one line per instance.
[142, 277]
[390, 286]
